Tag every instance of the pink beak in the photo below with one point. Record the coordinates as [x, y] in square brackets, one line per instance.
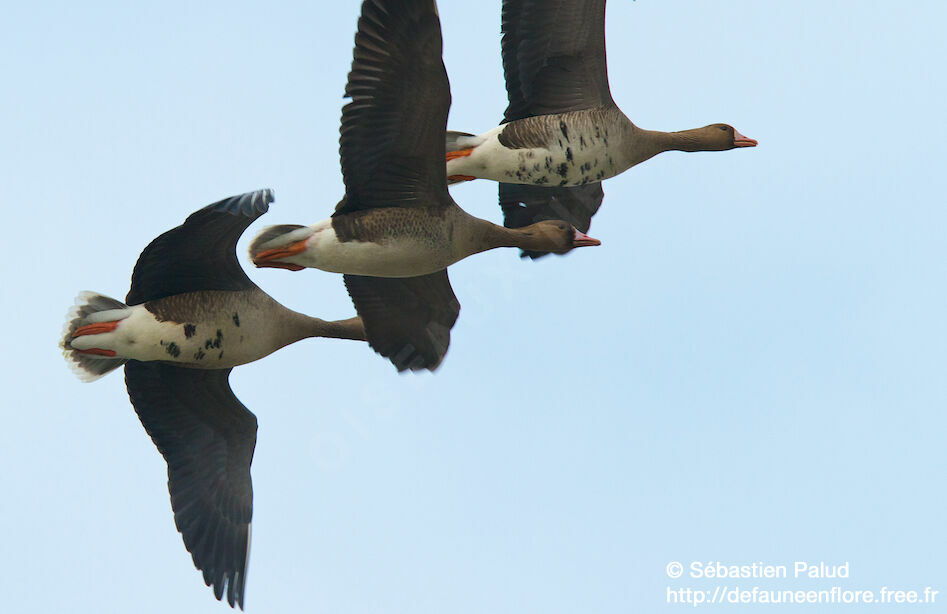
[584, 240]
[743, 141]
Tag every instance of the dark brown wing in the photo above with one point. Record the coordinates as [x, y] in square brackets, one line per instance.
[207, 437]
[554, 62]
[407, 320]
[527, 204]
[554, 56]
[200, 254]
[392, 134]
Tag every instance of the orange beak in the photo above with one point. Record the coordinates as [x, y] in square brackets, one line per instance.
[584, 240]
[270, 258]
[743, 141]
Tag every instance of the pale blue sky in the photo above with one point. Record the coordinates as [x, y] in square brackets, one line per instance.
[751, 367]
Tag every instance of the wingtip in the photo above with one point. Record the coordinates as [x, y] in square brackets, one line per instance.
[250, 204]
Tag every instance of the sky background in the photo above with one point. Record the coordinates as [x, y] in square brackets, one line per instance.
[750, 368]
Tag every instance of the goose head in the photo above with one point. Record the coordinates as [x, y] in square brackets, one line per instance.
[720, 137]
[554, 236]
[277, 246]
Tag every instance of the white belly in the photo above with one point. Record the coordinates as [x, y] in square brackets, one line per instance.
[561, 163]
[218, 343]
[394, 257]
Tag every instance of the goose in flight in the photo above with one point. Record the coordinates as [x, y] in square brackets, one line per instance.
[397, 229]
[562, 129]
[190, 316]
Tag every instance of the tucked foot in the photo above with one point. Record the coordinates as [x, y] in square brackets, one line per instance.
[96, 329]
[90, 363]
[460, 153]
[459, 178]
[96, 352]
[271, 257]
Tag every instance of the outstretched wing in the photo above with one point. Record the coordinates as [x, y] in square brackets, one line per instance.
[392, 134]
[207, 437]
[408, 319]
[554, 56]
[554, 62]
[527, 204]
[200, 254]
